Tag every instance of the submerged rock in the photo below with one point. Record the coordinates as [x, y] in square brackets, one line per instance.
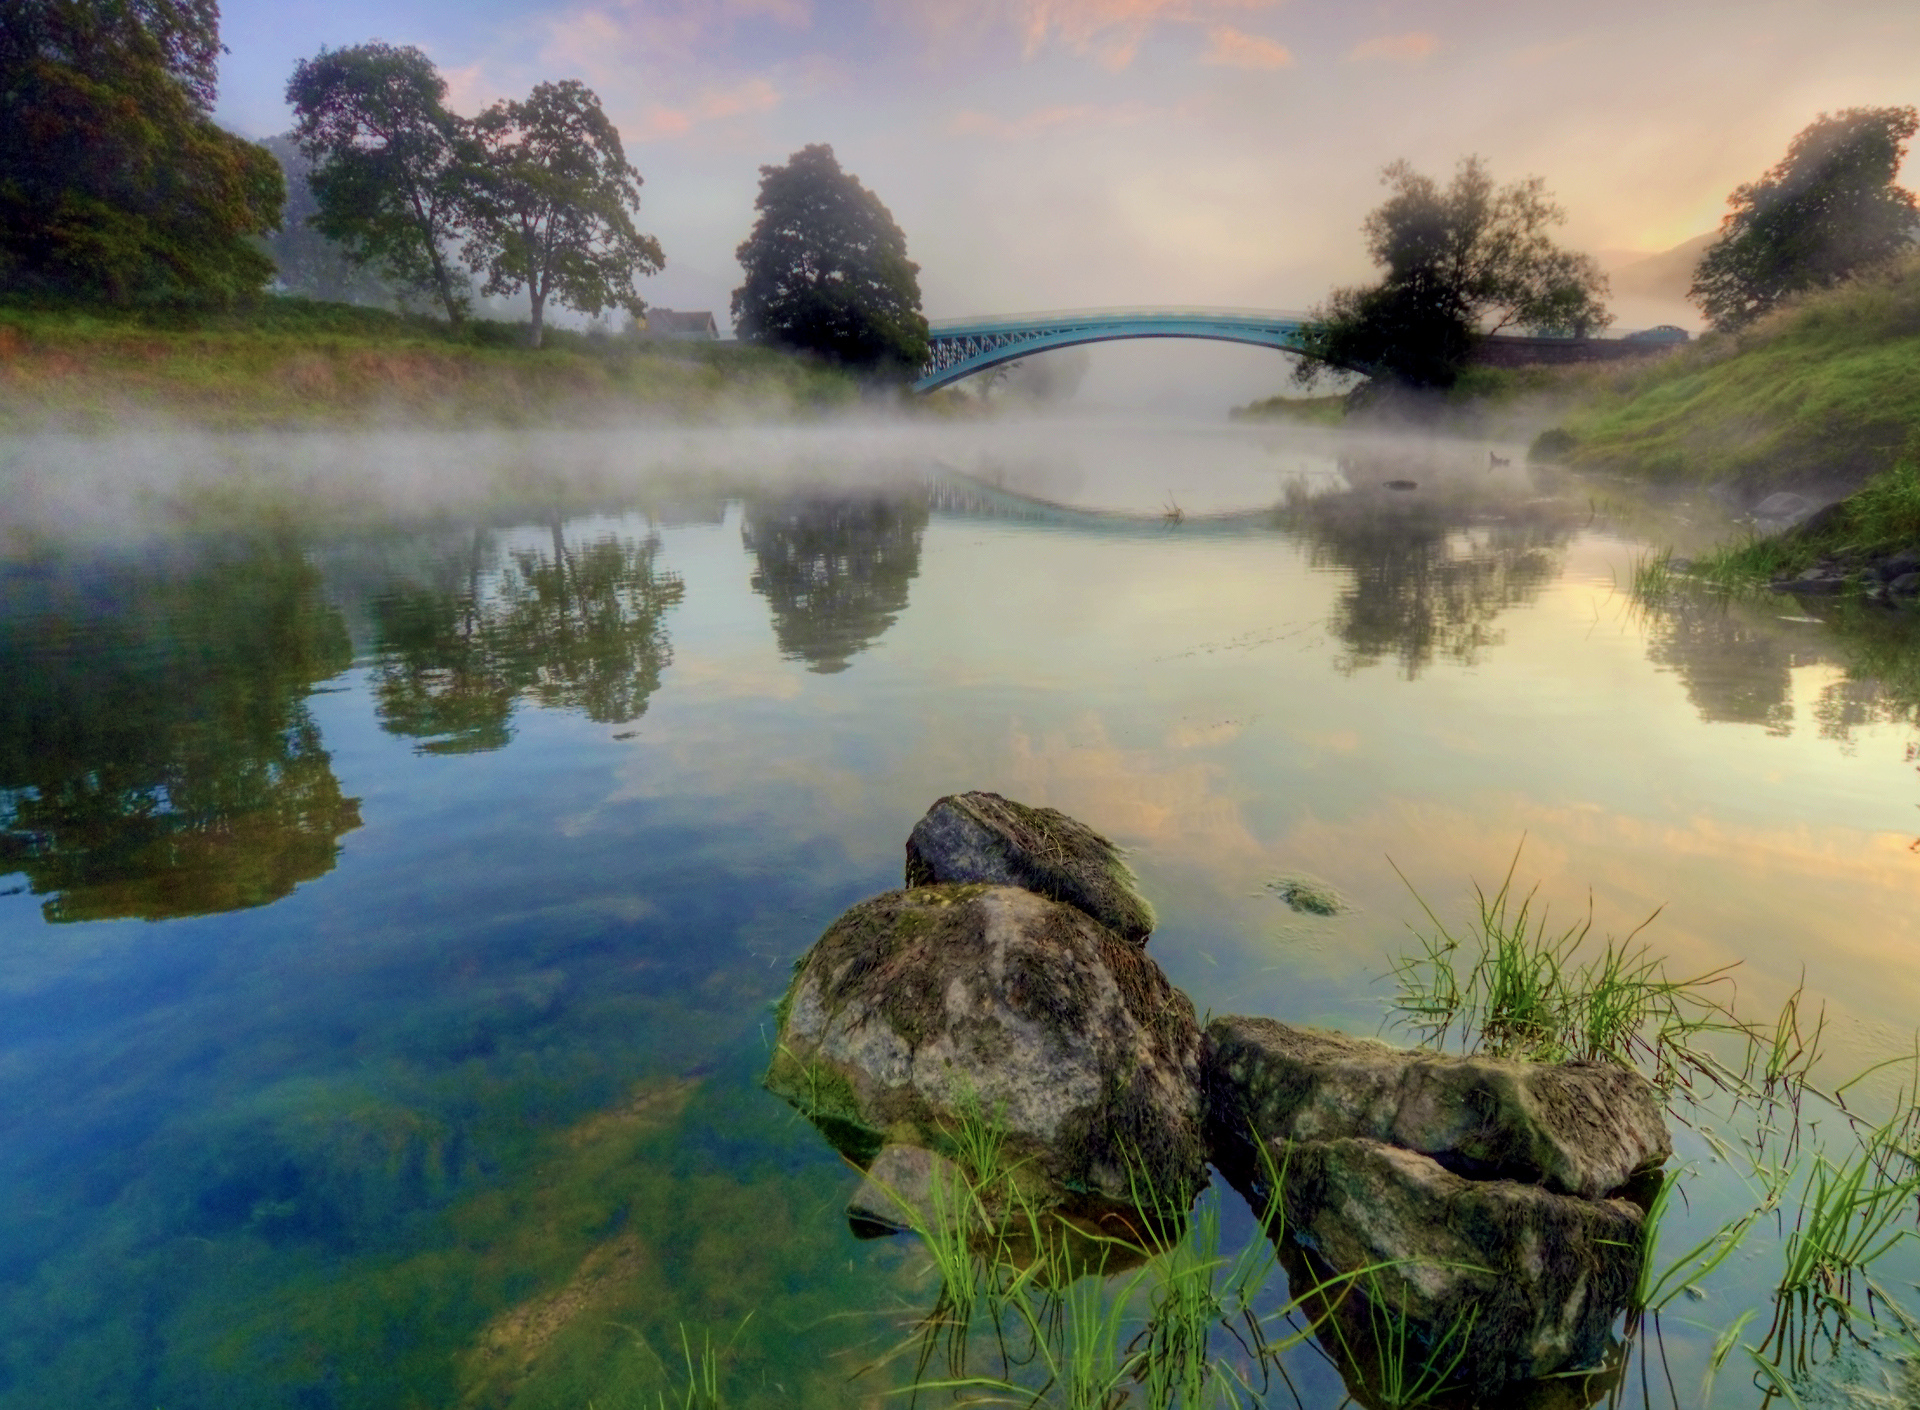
[1493, 1191]
[1513, 1282]
[922, 1012]
[986, 838]
[1583, 1129]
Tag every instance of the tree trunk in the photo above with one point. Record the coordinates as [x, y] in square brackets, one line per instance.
[539, 301]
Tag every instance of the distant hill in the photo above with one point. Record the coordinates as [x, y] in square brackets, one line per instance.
[1666, 275]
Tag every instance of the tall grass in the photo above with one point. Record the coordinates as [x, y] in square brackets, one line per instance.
[1510, 984]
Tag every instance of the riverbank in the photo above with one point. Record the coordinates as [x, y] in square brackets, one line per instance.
[1820, 397]
[295, 363]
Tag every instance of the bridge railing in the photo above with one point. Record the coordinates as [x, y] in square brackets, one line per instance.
[1070, 315]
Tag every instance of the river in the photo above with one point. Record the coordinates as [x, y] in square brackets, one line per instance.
[403, 850]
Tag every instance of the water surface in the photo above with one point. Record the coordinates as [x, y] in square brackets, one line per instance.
[397, 885]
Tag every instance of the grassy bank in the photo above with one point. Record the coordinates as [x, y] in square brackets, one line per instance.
[1825, 392]
[295, 362]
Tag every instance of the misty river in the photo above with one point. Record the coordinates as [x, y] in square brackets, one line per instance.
[402, 848]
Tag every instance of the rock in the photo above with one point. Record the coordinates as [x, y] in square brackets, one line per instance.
[919, 1009]
[1904, 562]
[898, 1192]
[1906, 585]
[1821, 520]
[1784, 505]
[969, 837]
[1818, 580]
[1584, 1129]
[1522, 1283]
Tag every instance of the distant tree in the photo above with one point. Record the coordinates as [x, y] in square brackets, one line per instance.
[1460, 263]
[391, 163]
[1827, 208]
[308, 262]
[114, 181]
[827, 269]
[552, 205]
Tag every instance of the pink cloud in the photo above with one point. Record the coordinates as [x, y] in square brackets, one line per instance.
[1409, 48]
[755, 95]
[1110, 31]
[973, 123]
[1236, 49]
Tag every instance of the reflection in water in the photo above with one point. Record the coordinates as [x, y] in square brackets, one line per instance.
[157, 758]
[1737, 660]
[1432, 567]
[579, 627]
[834, 567]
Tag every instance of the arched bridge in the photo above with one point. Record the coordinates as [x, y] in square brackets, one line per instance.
[960, 347]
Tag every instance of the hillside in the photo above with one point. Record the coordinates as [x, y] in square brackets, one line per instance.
[1822, 395]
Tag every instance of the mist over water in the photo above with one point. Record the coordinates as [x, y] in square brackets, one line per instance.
[403, 835]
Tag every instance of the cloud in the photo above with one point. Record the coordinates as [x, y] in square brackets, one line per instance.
[971, 122]
[1109, 31]
[1235, 49]
[1409, 48]
[753, 95]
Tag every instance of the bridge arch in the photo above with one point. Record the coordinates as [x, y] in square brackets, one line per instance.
[960, 347]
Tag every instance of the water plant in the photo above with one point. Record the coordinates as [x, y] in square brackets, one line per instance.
[1510, 986]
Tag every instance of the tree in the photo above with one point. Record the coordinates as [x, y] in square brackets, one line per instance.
[391, 163]
[1828, 208]
[307, 261]
[114, 182]
[827, 269]
[553, 202]
[1460, 263]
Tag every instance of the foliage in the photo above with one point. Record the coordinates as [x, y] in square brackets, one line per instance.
[307, 262]
[827, 270]
[391, 163]
[1826, 209]
[114, 182]
[1456, 259]
[552, 202]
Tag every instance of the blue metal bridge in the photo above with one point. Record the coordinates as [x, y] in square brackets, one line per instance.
[959, 347]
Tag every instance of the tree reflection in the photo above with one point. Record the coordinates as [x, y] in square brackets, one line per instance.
[834, 566]
[157, 757]
[577, 627]
[1737, 660]
[1431, 569]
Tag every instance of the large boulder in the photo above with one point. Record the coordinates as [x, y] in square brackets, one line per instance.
[1578, 1128]
[986, 838]
[1504, 1281]
[922, 1014]
[1482, 1206]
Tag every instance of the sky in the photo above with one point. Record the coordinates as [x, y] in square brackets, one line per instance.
[1052, 154]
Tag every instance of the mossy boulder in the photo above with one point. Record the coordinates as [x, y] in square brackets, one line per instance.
[922, 1013]
[1507, 1282]
[1576, 1128]
[1486, 1207]
[986, 838]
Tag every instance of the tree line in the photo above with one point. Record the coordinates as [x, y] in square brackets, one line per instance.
[1471, 258]
[117, 186]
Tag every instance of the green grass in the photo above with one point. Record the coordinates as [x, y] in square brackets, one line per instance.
[1511, 985]
[1827, 388]
[295, 362]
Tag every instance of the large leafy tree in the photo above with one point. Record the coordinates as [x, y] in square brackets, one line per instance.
[391, 163]
[1460, 262]
[552, 205]
[1829, 207]
[114, 181]
[827, 269]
